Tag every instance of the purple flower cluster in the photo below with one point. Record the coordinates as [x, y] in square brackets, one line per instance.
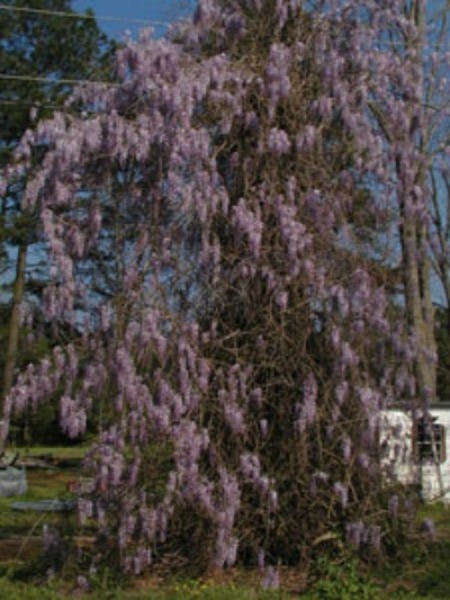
[278, 84]
[359, 534]
[306, 412]
[245, 352]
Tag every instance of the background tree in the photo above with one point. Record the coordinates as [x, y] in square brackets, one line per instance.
[402, 112]
[41, 55]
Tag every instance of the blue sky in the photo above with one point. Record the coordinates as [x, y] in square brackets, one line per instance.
[153, 10]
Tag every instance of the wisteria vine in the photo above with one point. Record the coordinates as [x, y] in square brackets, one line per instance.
[242, 345]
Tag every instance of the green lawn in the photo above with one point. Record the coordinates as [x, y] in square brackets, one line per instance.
[42, 485]
[15, 591]
[55, 451]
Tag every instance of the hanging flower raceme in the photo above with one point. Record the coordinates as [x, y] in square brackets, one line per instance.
[234, 345]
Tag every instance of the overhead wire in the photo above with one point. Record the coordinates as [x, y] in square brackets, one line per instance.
[30, 104]
[66, 14]
[47, 106]
[55, 80]
[65, 108]
[95, 17]
[75, 15]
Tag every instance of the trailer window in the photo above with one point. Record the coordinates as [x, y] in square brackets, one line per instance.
[429, 442]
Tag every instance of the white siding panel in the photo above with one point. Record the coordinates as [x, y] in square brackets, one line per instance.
[398, 461]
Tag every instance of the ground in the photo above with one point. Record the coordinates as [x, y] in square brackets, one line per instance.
[424, 573]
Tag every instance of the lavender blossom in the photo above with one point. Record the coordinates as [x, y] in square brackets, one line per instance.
[341, 492]
[271, 580]
[428, 527]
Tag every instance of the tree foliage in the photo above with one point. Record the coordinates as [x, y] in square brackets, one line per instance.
[43, 46]
[241, 365]
[41, 55]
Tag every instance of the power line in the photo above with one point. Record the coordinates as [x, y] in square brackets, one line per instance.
[37, 105]
[66, 108]
[37, 79]
[94, 17]
[74, 15]
[84, 111]
[30, 104]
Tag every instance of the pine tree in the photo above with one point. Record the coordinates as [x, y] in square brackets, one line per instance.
[41, 55]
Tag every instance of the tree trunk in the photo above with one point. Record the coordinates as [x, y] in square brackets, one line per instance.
[13, 338]
[419, 307]
[416, 267]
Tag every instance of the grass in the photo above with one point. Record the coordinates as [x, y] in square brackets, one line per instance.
[42, 485]
[20, 532]
[424, 574]
[430, 568]
[61, 452]
[188, 591]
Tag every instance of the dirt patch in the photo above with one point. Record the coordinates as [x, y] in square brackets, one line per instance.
[20, 549]
[57, 478]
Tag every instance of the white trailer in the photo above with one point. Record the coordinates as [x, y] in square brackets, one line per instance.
[415, 449]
